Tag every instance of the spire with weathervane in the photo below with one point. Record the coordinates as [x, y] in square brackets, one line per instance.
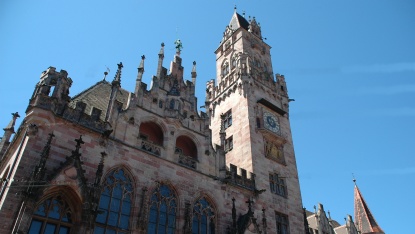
[365, 221]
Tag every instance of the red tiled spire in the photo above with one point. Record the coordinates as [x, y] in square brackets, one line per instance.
[365, 221]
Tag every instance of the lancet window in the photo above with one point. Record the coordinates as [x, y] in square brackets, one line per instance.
[115, 204]
[163, 208]
[53, 215]
[203, 217]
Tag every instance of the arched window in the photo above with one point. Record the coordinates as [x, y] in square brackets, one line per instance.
[51, 216]
[162, 218]
[233, 63]
[203, 218]
[115, 204]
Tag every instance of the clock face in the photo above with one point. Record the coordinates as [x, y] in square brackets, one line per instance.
[271, 122]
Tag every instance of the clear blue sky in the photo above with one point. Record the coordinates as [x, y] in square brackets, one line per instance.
[349, 65]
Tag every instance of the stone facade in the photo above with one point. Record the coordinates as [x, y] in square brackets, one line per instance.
[230, 170]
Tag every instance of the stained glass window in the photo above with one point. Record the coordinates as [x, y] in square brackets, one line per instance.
[52, 216]
[163, 208]
[203, 218]
[115, 204]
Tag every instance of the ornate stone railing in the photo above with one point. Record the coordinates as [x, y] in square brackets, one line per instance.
[150, 147]
[185, 160]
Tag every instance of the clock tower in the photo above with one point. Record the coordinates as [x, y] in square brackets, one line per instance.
[249, 114]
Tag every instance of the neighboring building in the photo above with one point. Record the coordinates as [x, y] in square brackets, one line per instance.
[319, 223]
[112, 161]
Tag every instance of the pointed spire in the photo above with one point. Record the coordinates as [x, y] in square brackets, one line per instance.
[8, 132]
[40, 169]
[365, 220]
[161, 52]
[116, 85]
[139, 75]
[194, 74]
[75, 153]
[10, 126]
[160, 62]
[117, 78]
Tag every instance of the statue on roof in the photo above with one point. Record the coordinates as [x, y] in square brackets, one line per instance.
[179, 45]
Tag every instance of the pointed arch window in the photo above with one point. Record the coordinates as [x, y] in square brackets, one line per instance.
[203, 218]
[115, 204]
[163, 208]
[52, 216]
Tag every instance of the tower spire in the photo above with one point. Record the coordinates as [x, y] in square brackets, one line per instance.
[139, 75]
[366, 222]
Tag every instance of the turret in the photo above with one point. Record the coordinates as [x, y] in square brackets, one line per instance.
[54, 84]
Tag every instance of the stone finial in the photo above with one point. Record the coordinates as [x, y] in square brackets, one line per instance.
[161, 52]
[79, 142]
[40, 169]
[117, 78]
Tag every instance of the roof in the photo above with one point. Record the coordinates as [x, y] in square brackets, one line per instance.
[238, 21]
[98, 96]
[363, 216]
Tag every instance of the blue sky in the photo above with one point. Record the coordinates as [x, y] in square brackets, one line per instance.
[349, 65]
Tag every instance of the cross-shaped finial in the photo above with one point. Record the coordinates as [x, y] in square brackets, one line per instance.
[120, 65]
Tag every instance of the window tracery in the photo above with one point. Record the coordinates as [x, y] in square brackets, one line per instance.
[52, 216]
[115, 204]
[163, 208]
[203, 217]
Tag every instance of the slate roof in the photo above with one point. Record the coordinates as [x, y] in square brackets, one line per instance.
[238, 21]
[98, 96]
